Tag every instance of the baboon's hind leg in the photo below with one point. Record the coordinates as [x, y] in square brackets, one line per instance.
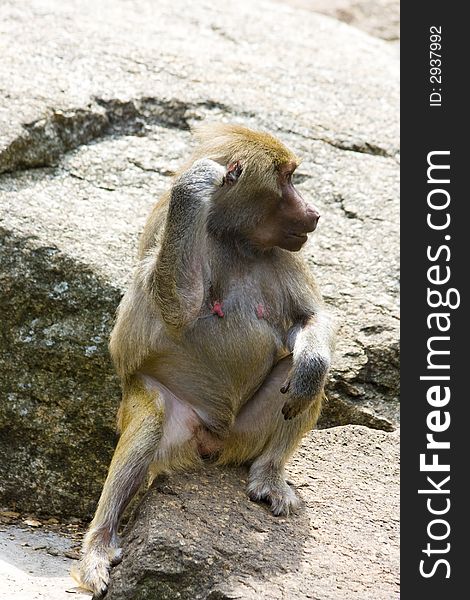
[264, 438]
[134, 452]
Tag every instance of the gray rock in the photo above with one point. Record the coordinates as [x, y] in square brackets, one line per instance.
[196, 535]
[93, 122]
[35, 563]
[378, 17]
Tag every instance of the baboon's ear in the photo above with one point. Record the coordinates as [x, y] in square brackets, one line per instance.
[234, 170]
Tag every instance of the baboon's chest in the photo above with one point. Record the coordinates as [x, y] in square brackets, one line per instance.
[240, 332]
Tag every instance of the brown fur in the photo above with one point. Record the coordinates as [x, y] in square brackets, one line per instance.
[239, 383]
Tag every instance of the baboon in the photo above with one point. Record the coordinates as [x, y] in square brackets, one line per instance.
[222, 341]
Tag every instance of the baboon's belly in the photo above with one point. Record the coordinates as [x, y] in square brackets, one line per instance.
[219, 364]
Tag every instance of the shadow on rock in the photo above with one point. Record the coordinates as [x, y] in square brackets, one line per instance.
[197, 535]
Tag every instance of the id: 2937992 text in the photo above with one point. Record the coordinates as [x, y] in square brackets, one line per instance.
[435, 65]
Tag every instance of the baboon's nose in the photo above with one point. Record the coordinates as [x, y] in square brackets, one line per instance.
[312, 218]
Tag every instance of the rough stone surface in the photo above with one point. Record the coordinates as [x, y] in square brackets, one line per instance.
[35, 565]
[95, 113]
[378, 17]
[198, 537]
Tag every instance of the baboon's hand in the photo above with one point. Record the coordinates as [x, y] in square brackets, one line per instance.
[205, 176]
[295, 406]
[208, 172]
[304, 383]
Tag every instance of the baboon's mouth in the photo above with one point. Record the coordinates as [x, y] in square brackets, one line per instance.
[299, 236]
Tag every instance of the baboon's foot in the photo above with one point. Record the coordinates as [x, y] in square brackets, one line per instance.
[277, 493]
[93, 571]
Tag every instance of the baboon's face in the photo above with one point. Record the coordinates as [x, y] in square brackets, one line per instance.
[288, 217]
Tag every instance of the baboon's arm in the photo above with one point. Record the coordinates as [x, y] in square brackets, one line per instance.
[311, 345]
[177, 280]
